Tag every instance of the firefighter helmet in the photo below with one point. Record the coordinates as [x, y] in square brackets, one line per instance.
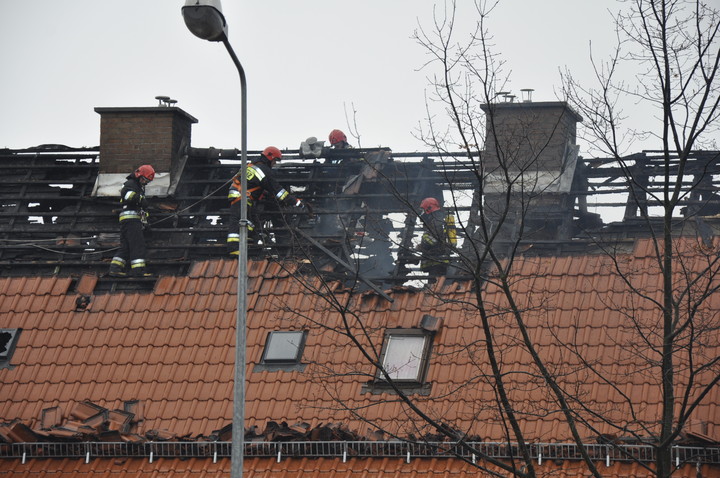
[145, 171]
[429, 205]
[272, 154]
[337, 136]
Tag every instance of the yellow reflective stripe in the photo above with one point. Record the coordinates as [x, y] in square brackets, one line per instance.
[118, 261]
[253, 171]
[129, 215]
[429, 239]
[282, 194]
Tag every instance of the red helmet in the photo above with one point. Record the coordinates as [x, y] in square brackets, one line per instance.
[429, 205]
[337, 136]
[145, 171]
[272, 154]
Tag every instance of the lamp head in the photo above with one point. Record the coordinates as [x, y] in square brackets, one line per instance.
[204, 19]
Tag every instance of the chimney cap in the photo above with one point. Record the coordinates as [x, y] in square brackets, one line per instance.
[145, 109]
[535, 105]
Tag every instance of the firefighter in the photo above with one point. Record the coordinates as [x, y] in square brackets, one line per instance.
[132, 219]
[338, 140]
[261, 185]
[439, 235]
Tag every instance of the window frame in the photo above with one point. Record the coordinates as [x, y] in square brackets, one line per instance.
[424, 359]
[283, 361]
[7, 356]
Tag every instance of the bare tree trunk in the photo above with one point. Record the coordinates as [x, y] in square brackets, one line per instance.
[675, 45]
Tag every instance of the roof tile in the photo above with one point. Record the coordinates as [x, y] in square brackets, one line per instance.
[173, 350]
[86, 284]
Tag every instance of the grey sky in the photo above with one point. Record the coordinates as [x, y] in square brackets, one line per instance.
[306, 63]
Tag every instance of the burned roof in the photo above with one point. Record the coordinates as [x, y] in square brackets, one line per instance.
[363, 205]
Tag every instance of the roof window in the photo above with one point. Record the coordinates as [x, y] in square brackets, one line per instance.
[8, 341]
[283, 350]
[405, 358]
[405, 355]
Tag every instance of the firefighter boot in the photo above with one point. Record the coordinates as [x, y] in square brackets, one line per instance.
[138, 269]
[115, 271]
[117, 267]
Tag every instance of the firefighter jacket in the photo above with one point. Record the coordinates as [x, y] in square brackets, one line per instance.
[259, 181]
[132, 200]
[439, 234]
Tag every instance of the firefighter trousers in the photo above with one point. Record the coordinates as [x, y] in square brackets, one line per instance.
[132, 248]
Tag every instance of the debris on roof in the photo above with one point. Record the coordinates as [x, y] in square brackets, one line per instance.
[87, 421]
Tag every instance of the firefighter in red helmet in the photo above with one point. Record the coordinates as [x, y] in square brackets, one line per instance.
[261, 186]
[438, 237]
[131, 255]
[338, 140]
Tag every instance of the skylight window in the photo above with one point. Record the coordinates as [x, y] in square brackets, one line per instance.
[8, 341]
[405, 355]
[284, 347]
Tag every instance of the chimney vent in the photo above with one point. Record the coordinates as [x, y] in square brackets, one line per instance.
[165, 101]
[501, 94]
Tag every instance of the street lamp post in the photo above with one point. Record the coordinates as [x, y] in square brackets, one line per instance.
[205, 20]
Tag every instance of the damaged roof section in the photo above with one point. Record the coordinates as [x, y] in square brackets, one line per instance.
[88, 421]
[53, 223]
[92, 431]
[58, 208]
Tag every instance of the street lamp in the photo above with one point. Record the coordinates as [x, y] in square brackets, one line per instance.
[205, 20]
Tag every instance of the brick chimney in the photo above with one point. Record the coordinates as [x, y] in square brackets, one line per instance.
[530, 132]
[537, 141]
[129, 137]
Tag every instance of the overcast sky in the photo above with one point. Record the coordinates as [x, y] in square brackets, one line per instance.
[307, 63]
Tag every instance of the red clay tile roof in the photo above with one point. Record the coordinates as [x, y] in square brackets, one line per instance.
[169, 353]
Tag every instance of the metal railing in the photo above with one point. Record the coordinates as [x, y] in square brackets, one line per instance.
[471, 451]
